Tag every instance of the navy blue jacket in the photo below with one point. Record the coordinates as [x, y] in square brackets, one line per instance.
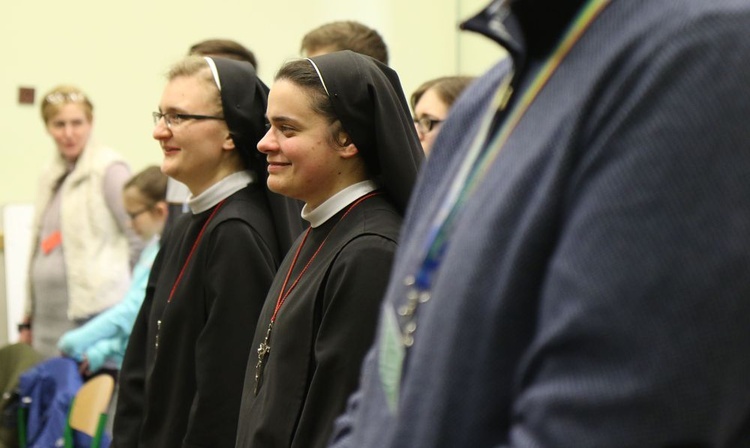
[595, 291]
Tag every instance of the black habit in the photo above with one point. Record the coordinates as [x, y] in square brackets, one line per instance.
[326, 324]
[322, 331]
[186, 392]
[167, 397]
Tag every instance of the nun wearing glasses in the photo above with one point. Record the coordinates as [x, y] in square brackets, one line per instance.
[185, 362]
[342, 141]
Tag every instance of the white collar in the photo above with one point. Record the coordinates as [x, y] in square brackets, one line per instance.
[337, 202]
[220, 191]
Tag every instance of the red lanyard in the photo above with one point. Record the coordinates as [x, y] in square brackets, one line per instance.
[192, 249]
[282, 294]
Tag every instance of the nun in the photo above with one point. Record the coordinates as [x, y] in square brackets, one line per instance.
[184, 366]
[341, 140]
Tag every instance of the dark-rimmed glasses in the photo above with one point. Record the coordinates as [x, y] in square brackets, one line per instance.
[425, 124]
[134, 215]
[173, 119]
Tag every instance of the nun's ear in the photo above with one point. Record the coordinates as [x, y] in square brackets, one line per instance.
[228, 143]
[347, 148]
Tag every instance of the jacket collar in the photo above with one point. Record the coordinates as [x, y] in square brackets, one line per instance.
[75, 173]
[526, 28]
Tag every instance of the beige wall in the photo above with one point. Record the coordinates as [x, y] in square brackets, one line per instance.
[118, 52]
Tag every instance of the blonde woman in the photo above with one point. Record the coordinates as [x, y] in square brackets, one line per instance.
[83, 247]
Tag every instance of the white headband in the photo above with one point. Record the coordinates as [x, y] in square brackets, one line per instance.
[215, 72]
[319, 76]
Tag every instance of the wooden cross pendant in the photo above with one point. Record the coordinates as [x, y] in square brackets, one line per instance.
[263, 350]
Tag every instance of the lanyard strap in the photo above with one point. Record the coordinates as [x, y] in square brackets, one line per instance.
[284, 294]
[480, 157]
[192, 249]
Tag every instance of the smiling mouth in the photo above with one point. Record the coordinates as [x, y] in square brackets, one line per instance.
[276, 167]
[279, 164]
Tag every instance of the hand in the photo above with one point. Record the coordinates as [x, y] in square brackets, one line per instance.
[83, 367]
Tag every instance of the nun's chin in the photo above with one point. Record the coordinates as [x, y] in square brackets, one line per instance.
[275, 185]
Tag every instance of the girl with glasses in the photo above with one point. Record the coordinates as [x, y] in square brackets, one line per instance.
[105, 337]
[431, 102]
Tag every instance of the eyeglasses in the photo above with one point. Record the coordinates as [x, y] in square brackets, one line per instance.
[173, 119]
[134, 215]
[425, 124]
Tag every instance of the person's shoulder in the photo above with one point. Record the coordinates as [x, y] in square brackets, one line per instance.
[376, 216]
[101, 150]
[472, 102]
[103, 156]
[246, 212]
[51, 170]
[665, 24]
[686, 11]
[367, 247]
[247, 204]
[663, 47]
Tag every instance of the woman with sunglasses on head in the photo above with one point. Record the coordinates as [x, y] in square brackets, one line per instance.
[83, 247]
[185, 363]
[341, 140]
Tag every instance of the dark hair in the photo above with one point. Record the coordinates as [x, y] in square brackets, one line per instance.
[448, 88]
[224, 48]
[302, 73]
[346, 35]
[151, 183]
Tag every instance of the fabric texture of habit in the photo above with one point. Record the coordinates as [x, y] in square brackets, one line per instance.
[186, 392]
[594, 292]
[327, 322]
[244, 108]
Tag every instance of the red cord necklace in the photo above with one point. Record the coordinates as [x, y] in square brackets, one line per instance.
[265, 348]
[185, 264]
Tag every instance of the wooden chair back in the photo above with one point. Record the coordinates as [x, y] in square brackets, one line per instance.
[91, 401]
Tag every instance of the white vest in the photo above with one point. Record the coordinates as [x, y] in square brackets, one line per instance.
[95, 249]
